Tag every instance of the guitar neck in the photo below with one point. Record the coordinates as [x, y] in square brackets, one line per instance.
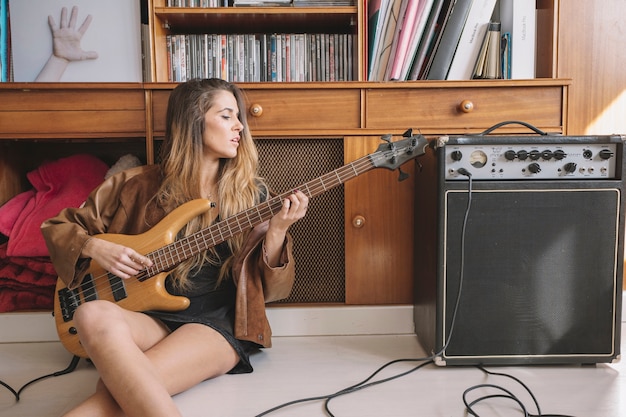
[167, 257]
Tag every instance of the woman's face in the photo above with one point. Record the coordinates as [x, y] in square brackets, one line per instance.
[222, 127]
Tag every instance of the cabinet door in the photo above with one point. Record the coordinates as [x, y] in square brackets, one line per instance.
[379, 230]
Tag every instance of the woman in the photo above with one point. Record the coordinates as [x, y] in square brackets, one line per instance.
[144, 358]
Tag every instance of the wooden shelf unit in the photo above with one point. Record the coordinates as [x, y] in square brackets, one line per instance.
[41, 120]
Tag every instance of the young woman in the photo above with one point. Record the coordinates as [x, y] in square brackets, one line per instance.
[143, 358]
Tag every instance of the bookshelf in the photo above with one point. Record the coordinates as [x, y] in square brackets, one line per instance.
[340, 20]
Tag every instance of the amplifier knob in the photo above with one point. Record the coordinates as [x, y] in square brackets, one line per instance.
[547, 155]
[534, 168]
[456, 155]
[534, 155]
[522, 155]
[570, 167]
[509, 155]
[559, 154]
[605, 154]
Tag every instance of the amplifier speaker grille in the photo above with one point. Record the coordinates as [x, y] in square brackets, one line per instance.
[540, 273]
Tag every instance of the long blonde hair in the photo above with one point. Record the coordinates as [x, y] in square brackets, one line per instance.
[239, 185]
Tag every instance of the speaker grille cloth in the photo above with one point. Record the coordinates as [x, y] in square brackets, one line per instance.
[319, 245]
[539, 272]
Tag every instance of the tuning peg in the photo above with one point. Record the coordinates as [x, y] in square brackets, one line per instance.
[402, 175]
[386, 138]
[408, 133]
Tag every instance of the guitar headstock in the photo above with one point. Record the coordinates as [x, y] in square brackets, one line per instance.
[391, 155]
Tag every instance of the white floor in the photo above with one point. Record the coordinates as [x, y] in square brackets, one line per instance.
[303, 367]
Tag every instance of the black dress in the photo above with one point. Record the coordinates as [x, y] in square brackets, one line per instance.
[212, 306]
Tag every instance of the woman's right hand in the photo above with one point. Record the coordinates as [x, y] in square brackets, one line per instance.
[118, 259]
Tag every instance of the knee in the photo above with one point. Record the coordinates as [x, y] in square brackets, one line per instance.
[95, 318]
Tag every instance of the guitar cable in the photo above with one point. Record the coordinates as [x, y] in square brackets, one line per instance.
[424, 361]
[469, 405]
[70, 368]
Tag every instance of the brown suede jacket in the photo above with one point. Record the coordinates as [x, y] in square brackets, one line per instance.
[123, 205]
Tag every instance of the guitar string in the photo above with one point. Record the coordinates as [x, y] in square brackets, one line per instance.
[266, 210]
[119, 285]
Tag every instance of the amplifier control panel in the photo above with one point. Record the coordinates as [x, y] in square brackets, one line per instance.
[492, 161]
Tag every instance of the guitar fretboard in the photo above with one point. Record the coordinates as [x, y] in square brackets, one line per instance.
[167, 257]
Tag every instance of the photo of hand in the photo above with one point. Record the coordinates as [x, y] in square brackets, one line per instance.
[65, 45]
[61, 41]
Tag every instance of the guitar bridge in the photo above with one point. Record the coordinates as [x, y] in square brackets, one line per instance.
[69, 300]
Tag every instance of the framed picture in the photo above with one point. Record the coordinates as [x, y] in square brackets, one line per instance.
[76, 40]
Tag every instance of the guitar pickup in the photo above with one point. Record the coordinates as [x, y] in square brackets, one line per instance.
[118, 288]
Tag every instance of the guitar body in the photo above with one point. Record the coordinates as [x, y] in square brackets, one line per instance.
[132, 294]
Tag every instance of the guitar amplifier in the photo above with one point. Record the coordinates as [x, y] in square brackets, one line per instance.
[519, 249]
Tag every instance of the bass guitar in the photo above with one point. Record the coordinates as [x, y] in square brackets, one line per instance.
[146, 291]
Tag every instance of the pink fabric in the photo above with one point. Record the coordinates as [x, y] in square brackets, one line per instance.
[11, 210]
[59, 184]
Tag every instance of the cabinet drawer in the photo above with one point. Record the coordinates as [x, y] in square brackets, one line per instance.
[306, 109]
[72, 113]
[274, 111]
[447, 109]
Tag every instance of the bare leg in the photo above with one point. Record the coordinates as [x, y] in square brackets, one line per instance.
[141, 364]
[100, 404]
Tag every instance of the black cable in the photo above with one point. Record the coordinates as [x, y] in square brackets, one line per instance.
[10, 388]
[70, 368]
[360, 386]
[509, 395]
[356, 387]
[425, 360]
[518, 381]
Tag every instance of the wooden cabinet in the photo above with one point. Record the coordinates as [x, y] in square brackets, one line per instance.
[39, 121]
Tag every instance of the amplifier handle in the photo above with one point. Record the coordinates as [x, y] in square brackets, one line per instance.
[528, 125]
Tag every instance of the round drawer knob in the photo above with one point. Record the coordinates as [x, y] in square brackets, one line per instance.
[256, 110]
[466, 106]
[358, 221]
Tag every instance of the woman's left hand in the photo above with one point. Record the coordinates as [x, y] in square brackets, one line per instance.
[294, 208]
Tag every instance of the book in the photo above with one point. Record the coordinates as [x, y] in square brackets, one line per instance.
[519, 19]
[382, 51]
[450, 35]
[373, 33]
[474, 30]
[505, 50]
[406, 16]
[416, 37]
[429, 40]
[489, 62]
[4, 41]
[408, 35]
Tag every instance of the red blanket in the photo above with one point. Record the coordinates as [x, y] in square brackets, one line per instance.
[56, 185]
[25, 283]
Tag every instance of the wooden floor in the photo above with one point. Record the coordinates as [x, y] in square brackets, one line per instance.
[304, 367]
